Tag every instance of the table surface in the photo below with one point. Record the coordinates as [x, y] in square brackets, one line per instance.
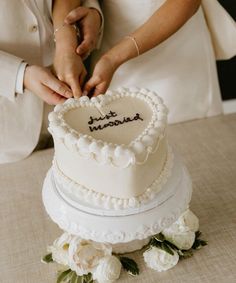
[208, 147]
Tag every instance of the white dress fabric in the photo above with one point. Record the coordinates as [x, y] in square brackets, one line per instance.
[182, 69]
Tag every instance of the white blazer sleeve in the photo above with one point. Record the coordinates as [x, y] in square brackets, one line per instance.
[95, 4]
[8, 74]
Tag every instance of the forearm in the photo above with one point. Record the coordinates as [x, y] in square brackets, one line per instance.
[170, 17]
[66, 36]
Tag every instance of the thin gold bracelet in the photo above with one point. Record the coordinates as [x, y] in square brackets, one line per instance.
[135, 43]
[64, 25]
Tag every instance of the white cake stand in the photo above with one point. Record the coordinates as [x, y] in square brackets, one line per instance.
[162, 211]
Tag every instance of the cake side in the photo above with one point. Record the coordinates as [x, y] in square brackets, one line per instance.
[110, 180]
[77, 192]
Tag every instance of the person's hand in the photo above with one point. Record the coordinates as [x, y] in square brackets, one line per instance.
[69, 68]
[101, 78]
[89, 21]
[44, 84]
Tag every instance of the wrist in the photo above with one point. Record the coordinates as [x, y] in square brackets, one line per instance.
[122, 52]
[66, 37]
[113, 58]
[62, 49]
[26, 78]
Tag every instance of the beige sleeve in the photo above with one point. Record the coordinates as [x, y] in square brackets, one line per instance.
[8, 73]
[95, 5]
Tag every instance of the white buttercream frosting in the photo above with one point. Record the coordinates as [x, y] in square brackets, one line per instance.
[120, 155]
[108, 202]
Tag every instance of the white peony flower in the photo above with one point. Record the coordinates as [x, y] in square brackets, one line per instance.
[84, 255]
[183, 241]
[182, 232]
[159, 259]
[59, 249]
[108, 270]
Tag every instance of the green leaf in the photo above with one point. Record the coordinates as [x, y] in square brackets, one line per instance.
[64, 275]
[186, 254]
[129, 265]
[47, 258]
[166, 248]
[171, 245]
[198, 234]
[74, 277]
[198, 243]
[203, 242]
[155, 243]
[78, 279]
[161, 245]
[88, 278]
[159, 237]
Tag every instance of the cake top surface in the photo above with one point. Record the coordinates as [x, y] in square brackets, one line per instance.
[121, 127]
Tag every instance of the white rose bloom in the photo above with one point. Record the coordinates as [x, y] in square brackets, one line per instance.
[160, 260]
[59, 249]
[84, 255]
[108, 270]
[182, 232]
[190, 220]
[183, 241]
[187, 221]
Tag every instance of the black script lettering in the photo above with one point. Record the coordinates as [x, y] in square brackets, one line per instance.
[116, 122]
[94, 128]
[137, 117]
[107, 116]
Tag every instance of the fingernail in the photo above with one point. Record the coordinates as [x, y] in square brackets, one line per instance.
[85, 93]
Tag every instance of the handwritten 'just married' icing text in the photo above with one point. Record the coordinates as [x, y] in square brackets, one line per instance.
[116, 122]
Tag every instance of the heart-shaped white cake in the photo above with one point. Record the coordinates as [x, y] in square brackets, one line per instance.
[111, 149]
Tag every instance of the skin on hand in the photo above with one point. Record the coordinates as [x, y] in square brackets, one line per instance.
[70, 69]
[101, 78]
[68, 65]
[89, 21]
[43, 83]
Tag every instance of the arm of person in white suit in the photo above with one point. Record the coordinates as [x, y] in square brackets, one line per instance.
[8, 72]
[170, 17]
[38, 80]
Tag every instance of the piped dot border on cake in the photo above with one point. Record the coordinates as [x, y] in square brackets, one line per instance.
[108, 202]
[108, 153]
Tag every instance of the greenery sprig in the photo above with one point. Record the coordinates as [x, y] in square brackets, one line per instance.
[47, 258]
[129, 265]
[69, 276]
[159, 241]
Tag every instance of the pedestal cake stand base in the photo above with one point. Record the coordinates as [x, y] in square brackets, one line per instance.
[126, 229]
